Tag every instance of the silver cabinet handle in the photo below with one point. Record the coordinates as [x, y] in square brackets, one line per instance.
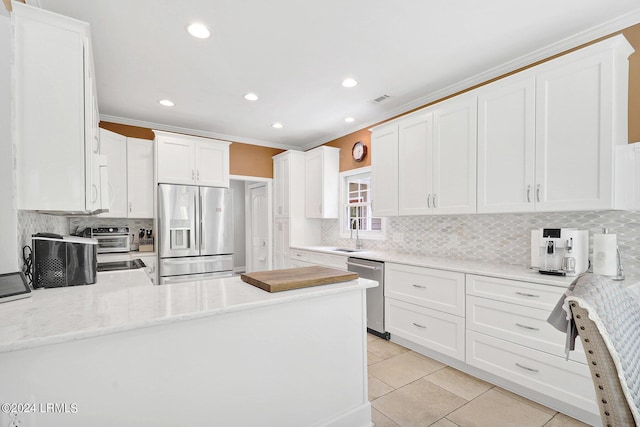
[528, 193]
[527, 295]
[419, 286]
[368, 267]
[538, 192]
[526, 368]
[320, 209]
[94, 193]
[130, 206]
[435, 204]
[419, 326]
[193, 174]
[298, 255]
[429, 200]
[531, 328]
[198, 175]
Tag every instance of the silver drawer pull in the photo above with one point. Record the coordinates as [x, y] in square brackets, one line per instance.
[419, 286]
[526, 368]
[419, 326]
[298, 255]
[527, 327]
[528, 295]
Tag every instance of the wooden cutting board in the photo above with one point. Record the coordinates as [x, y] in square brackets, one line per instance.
[295, 278]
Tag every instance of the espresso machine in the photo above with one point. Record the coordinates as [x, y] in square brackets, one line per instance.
[560, 251]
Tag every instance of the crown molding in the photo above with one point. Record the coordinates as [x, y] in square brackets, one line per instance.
[605, 29]
[195, 132]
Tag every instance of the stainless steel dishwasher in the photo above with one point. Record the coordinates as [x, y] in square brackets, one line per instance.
[373, 270]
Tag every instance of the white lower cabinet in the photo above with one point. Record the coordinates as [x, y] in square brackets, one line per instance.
[441, 332]
[567, 381]
[300, 258]
[151, 267]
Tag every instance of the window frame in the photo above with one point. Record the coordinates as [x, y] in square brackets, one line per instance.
[344, 232]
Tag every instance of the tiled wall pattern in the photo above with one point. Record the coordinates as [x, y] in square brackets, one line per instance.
[499, 238]
[30, 223]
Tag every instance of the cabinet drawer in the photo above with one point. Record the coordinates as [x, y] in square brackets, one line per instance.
[431, 288]
[300, 255]
[524, 293]
[522, 325]
[566, 381]
[433, 329]
[295, 263]
[328, 260]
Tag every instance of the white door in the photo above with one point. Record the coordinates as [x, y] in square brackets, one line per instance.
[384, 171]
[176, 161]
[415, 145]
[140, 178]
[281, 251]
[212, 163]
[258, 221]
[114, 146]
[454, 156]
[574, 132]
[506, 145]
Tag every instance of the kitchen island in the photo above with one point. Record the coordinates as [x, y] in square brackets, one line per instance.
[215, 352]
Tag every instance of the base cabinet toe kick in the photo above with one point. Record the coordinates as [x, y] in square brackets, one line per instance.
[492, 328]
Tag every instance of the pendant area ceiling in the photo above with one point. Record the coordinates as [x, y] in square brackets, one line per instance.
[294, 55]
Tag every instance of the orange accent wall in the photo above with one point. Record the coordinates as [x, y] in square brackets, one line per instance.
[251, 160]
[631, 33]
[129, 131]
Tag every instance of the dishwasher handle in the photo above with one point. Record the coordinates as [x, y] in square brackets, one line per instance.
[368, 267]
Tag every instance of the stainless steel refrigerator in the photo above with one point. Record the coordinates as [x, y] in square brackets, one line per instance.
[195, 233]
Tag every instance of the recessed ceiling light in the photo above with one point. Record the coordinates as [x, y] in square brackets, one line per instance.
[277, 125]
[349, 119]
[349, 82]
[199, 31]
[251, 97]
[166, 102]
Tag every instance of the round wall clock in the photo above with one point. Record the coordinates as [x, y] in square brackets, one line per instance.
[359, 151]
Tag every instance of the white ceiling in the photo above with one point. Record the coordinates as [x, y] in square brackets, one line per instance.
[294, 55]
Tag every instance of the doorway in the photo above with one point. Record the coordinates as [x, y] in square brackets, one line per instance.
[252, 223]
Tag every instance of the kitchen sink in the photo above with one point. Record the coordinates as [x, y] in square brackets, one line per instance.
[344, 250]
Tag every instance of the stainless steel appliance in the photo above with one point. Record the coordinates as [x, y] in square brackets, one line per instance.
[63, 260]
[112, 239]
[373, 270]
[560, 251]
[195, 233]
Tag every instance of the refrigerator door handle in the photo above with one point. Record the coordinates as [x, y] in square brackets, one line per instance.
[200, 232]
[196, 219]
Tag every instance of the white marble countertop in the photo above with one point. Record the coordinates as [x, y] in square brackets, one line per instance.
[125, 300]
[504, 271]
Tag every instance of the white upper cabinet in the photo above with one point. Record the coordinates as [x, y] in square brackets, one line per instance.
[454, 155]
[281, 172]
[553, 138]
[322, 183]
[191, 160]
[140, 188]
[415, 155]
[55, 114]
[506, 145]
[384, 170]
[130, 175]
[581, 115]
[114, 146]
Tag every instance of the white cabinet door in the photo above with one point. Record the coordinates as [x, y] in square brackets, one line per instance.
[114, 146]
[454, 156]
[415, 146]
[212, 163]
[506, 145]
[322, 182]
[140, 187]
[176, 162]
[281, 168]
[384, 171]
[53, 169]
[574, 134]
[281, 251]
[313, 185]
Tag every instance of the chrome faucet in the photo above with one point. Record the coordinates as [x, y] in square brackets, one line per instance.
[354, 224]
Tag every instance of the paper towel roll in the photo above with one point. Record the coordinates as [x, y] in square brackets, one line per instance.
[604, 254]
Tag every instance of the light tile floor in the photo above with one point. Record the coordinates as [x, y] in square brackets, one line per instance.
[407, 389]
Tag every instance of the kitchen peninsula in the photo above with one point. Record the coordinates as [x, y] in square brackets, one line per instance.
[213, 352]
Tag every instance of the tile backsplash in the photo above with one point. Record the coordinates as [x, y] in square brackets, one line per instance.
[134, 224]
[499, 238]
[30, 223]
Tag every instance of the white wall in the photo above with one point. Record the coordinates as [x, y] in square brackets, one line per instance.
[8, 217]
